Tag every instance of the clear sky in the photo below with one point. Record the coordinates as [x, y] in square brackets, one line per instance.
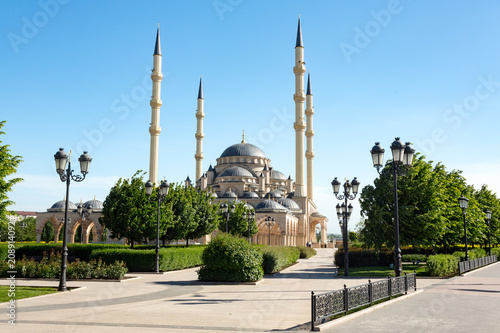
[75, 74]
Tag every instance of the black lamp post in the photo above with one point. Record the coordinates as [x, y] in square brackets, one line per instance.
[226, 210]
[162, 193]
[464, 203]
[488, 218]
[84, 213]
[66, 175]
[250, 217]
[402, 155]
[344, 212]
[269, 221]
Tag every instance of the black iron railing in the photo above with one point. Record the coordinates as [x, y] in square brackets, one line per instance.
[326, 305]
[469, 265]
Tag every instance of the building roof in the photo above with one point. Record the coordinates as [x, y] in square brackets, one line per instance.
[275, 174]
[309, 84]
[235, 171]
[229, 195]
[299, 36]
[200, 90]
[157, 44]
[60, 206]
[243, 149]
[290, 204]
[96, 205]
[274, 194]
[267, 205]
[249, 195]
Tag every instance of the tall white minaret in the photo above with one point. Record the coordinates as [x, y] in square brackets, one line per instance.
[299, 70]
[199, 133]
[309, 138]
[155, 103]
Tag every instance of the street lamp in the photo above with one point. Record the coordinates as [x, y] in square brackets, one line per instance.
[66, 175]
[344, 212]
[226, 210]
[269, 221]
[162, 193]
[464, 203]
[84, 213]
[250, 217]
[402, 155]
[488, 218]
[23, 226]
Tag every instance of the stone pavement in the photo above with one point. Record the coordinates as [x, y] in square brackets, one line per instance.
[177, 302]
[468, 303]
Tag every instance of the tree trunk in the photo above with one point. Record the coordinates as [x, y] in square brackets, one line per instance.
[131, 243]
[187, 242]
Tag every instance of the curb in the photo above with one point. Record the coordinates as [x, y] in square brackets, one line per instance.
[335, 322]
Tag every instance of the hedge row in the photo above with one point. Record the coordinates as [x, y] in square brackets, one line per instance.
[364, 258]
[278, 257]
[414, 257]
[442, 264]
[144, 260]
[306, 252]
[496, 252]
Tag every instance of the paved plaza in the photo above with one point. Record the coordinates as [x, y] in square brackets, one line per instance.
[177, 302]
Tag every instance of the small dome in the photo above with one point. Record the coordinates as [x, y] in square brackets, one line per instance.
[96, 205]
[243, 149]
[248, 207]
[235, 171]
[270, 205]
[278, 175]
[291, 195]
[274, 194]
[249, 195]
[229, 195]
[61, 205]
[290, 204]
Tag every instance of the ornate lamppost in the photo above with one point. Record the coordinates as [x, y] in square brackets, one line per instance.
[464, 203]
[269, 221]
[225, 209]
[488, 218]
[84, 213]
[344, 211]
[402, 156]
[250, 217]
[162, 193]
[66, 175]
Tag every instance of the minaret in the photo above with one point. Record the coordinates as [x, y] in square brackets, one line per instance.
[155, 103]
[199, 133]
[299, 70]
[309, 137]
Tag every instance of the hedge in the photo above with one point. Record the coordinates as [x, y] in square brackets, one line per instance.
[231, 259]
[278, 257]
[496, 252]
[144, 260]
[414, 257]
[442, 264]
[473, 254]
[81, 251]
[364, 258]
[306, 252]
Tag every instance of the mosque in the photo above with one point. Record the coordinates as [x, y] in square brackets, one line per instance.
[243, 173]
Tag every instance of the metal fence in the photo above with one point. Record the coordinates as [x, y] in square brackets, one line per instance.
[326, 305]
[469, 265]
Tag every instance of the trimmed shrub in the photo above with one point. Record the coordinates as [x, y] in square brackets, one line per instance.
[364, 258]
[4, 252]
[306, 252]
[442, 264]
[230, 259]
[496, 252]
[278, 257]
[414, 257]
[80, 251]
[171, 259]
[473, 254]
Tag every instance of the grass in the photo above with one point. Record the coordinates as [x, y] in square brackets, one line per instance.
[383, 271]
[24, 292]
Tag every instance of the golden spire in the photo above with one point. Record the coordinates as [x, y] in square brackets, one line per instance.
[243, 141]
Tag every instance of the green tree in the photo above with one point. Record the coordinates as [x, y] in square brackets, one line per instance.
[488, 200]
[8, 166]
[48, 232]
[237, 225]
[353, 236]
[129, 213]
[28, 233]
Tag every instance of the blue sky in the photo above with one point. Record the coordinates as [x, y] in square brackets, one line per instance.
[76, 75]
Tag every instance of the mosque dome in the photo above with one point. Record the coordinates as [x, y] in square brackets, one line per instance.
[249, 195]
[96, 205]
[290, 204]
[269, 206]
[243, 149]
[61, 205]
[235, 171]
[278, 175]
[274, 194]
[229, 195]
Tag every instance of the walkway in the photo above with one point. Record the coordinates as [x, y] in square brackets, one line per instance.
[177, 302]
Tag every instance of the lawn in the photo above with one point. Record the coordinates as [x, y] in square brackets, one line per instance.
[383, 271]
[24, 292]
